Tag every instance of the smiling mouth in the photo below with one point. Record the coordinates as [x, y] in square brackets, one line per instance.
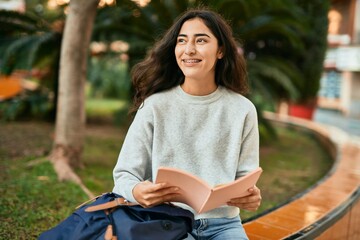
[191, 60]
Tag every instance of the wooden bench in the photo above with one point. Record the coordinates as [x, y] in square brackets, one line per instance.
[328, 210]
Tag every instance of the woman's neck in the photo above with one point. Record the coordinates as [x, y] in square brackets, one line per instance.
[198, 88]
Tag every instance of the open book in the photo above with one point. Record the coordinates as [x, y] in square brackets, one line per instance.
[196, 193]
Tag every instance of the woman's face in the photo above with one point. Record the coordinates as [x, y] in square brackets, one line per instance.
[197, 51]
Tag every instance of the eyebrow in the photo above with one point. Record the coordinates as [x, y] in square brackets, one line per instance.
[196, 35]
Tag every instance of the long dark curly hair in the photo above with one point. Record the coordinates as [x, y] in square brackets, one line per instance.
[159, 70]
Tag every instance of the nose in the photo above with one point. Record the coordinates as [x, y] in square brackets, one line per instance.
[190, 49]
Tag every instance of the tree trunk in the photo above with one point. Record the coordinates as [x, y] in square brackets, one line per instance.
[70, 118]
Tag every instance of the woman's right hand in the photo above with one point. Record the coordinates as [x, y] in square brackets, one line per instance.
[149, 194]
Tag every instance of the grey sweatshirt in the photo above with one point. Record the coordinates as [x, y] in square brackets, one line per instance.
[214, 137]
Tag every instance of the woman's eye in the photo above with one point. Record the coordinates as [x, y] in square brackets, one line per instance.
[201, 40]
[181, 40]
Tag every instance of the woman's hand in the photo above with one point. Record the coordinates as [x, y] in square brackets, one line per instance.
[250, 202]
[149, 194]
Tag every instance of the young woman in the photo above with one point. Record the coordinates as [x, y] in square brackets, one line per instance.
[192, 115]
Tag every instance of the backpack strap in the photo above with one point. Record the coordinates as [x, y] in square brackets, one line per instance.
[120, 201]
[110, 233]
[90, 200]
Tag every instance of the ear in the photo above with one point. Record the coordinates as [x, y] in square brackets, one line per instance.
[220, 54]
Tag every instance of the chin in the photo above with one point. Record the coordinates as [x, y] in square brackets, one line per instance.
[191, 75]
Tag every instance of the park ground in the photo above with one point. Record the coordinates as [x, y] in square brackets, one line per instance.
[33, 200]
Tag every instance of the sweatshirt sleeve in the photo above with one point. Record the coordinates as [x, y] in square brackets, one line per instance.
[249, 153]
[134, 161]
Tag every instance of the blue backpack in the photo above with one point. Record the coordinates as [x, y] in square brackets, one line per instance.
[107, 218]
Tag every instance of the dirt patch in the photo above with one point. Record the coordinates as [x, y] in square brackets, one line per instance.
[24, 139]
[34, 139]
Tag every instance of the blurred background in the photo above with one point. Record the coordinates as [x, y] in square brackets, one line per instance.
[302, 55]
[303, 60]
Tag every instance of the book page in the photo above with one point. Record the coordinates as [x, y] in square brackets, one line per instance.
[193, 190]
[196, 193]
[224, 193]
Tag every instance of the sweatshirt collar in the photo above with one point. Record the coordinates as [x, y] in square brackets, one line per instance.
[205, 99]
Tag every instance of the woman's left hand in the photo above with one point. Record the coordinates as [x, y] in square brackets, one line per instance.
[250, 202]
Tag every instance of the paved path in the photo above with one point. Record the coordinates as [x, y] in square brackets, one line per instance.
[333, 118]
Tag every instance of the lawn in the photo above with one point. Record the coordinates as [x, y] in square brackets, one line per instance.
[105, 110]
[32, 200]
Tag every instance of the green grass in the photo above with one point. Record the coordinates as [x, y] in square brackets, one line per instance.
[32, 200]
[99, 159]
[104, 108]
[291, 163]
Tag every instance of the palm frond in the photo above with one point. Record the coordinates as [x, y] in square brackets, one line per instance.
[15, 56]
[265, 26]
[174, 7]
[45, 45]
[279, 80]
[236, 10]
[13, 22]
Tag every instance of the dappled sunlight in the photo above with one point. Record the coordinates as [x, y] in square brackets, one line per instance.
[142, 3]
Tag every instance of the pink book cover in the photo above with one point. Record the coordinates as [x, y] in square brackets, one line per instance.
[196, 193]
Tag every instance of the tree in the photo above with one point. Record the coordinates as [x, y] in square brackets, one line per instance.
[311, 61]
[70, 119]
[30, 41]
[270, 33]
